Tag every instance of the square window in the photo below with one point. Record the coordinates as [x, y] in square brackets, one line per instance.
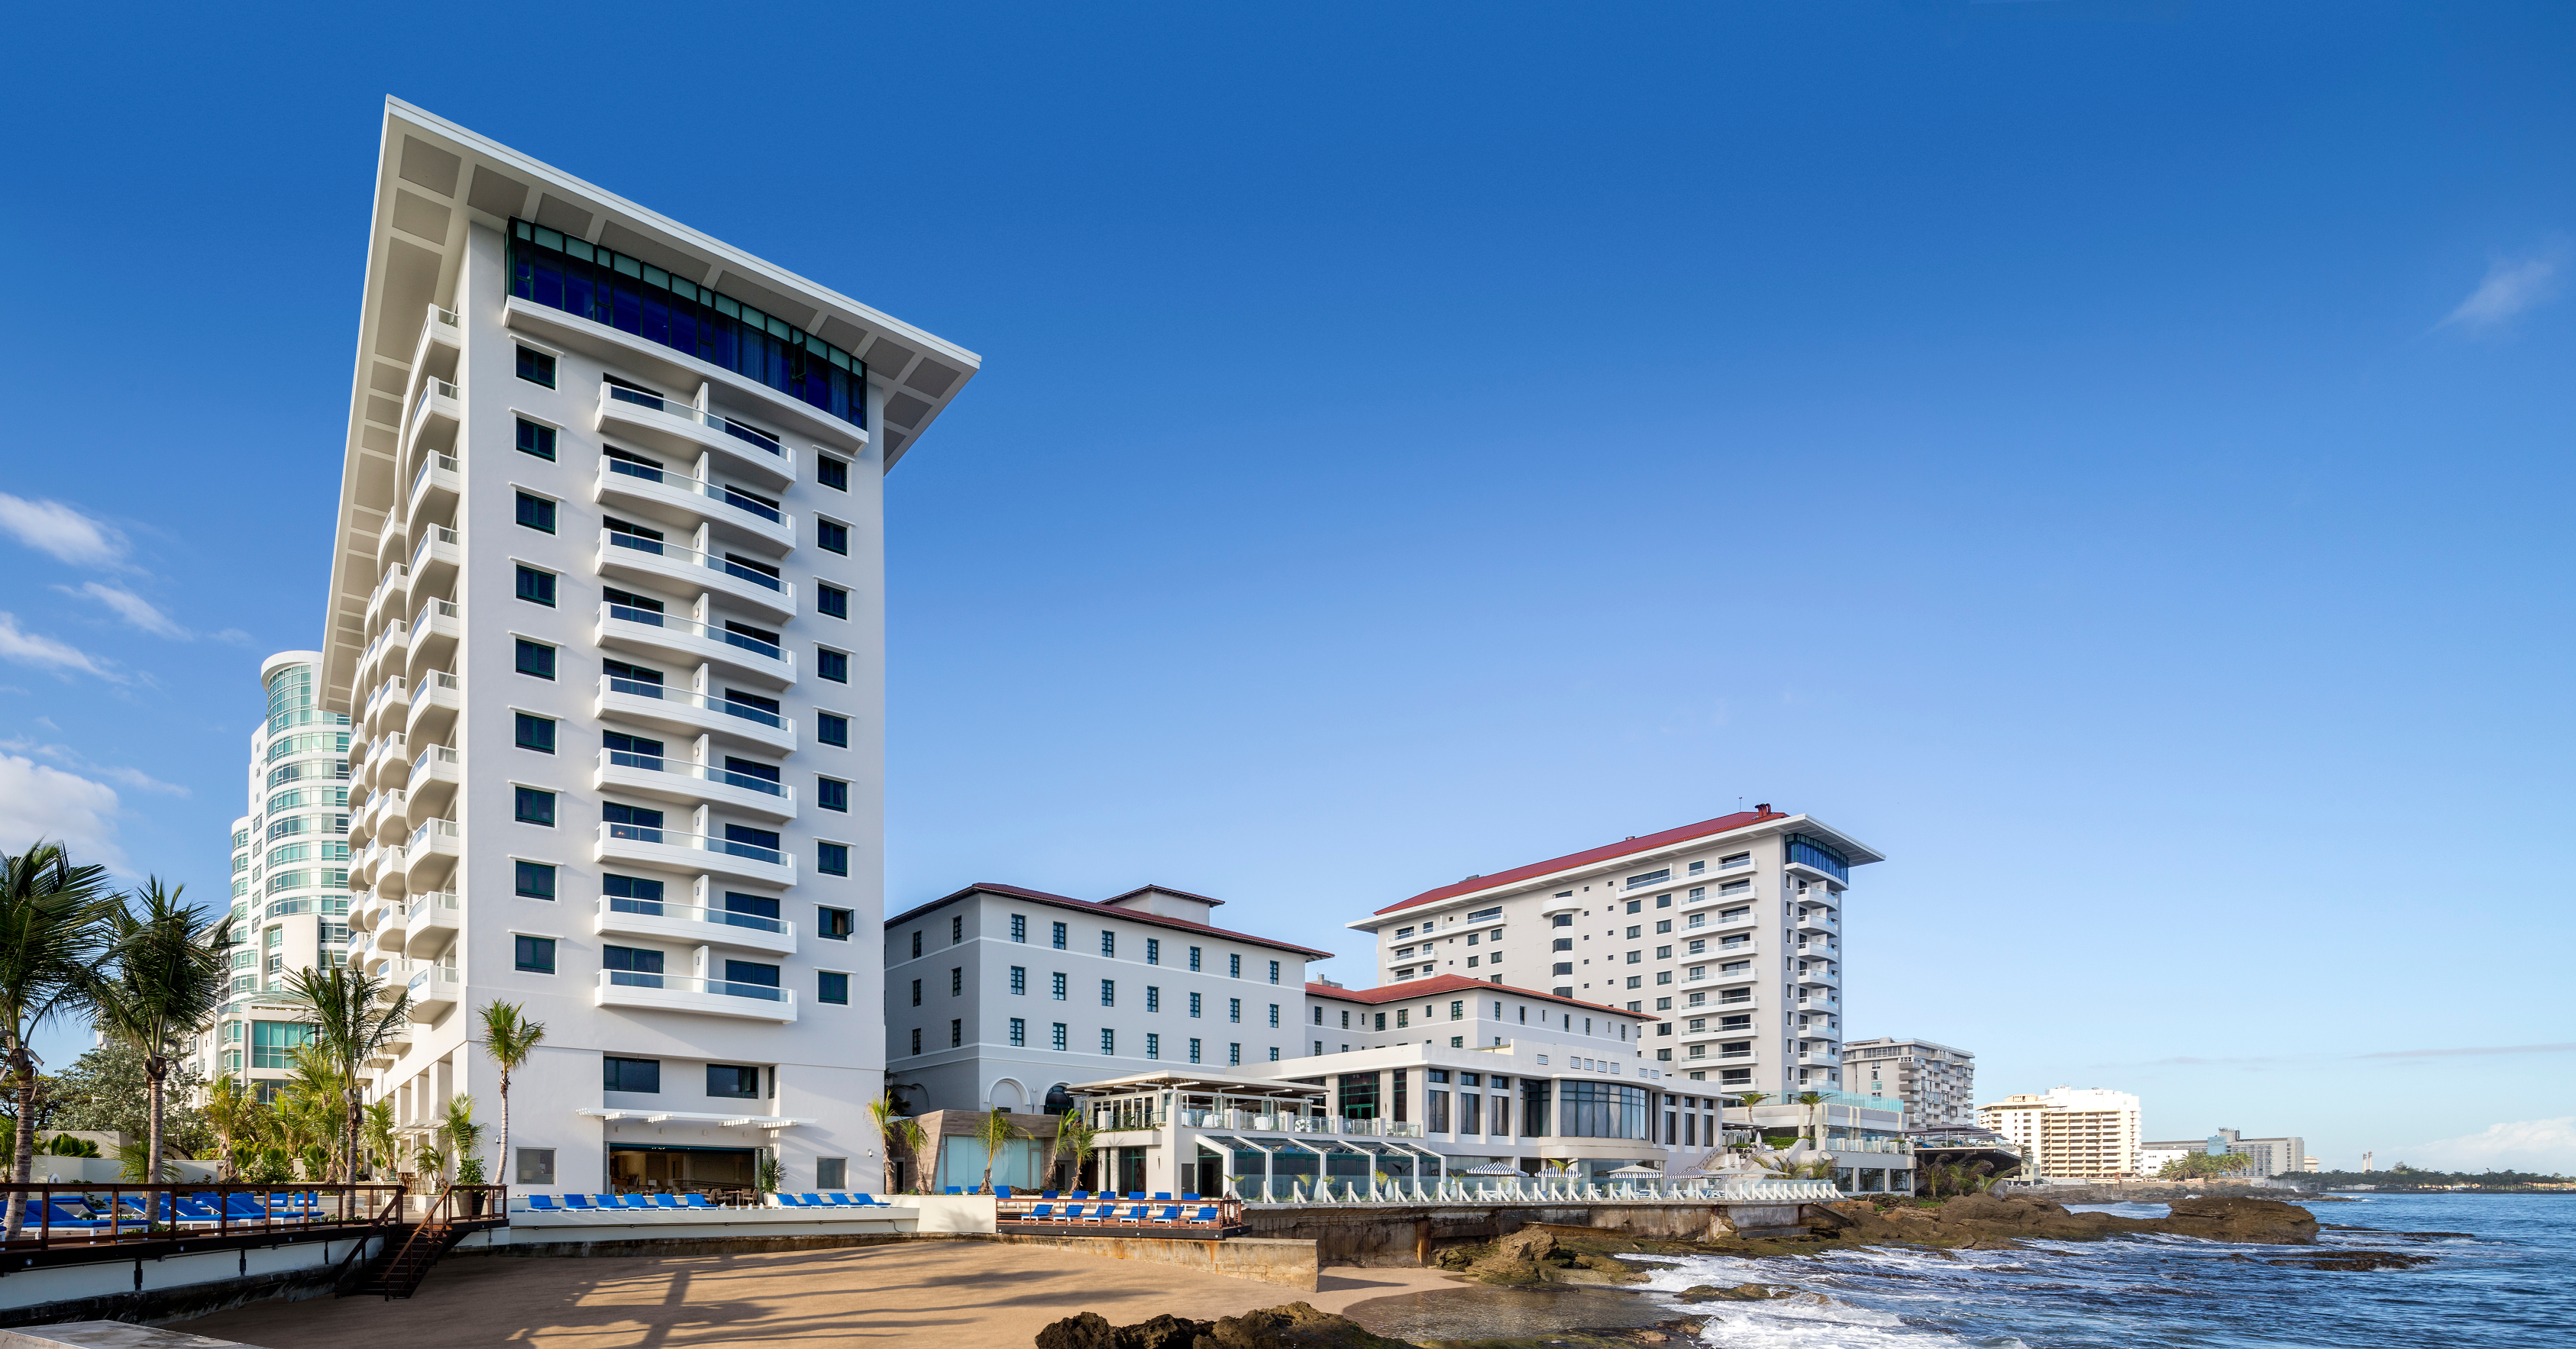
[536, 880]
[832, 859]
[537, 1167]
[832, 924]
[832, 729]
[831, 987]
[831, 794]
[537, 587]
[536, 954]
[536, 440]
[530, 805]
[536, 367]
[636, 1075]
[832, 665]
[833, 473]
[536, 658]
[831, 601]
[831, 1173]
[733, 1081]
[832, 537]
[537, 513]
[536, 733]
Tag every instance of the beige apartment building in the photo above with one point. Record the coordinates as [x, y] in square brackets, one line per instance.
[2070, 1133]
[1937, 1082]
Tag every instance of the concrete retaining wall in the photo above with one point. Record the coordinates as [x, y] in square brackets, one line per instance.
[173, 1288]
[1396, 1234]
[1287, 1263]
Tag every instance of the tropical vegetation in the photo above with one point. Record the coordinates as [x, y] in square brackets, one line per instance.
[53, 941]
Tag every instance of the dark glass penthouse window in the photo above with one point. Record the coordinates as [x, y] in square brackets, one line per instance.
[633, 296]
[536, 367]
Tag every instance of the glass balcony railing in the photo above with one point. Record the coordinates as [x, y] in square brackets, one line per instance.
[613, 831]
[690, 627]
[444, 463]
[435, 534]
[749, 435]
[664, 693]
[683, 768]
[691, 557]
[732, 496]
[682, 983]
[692, 913]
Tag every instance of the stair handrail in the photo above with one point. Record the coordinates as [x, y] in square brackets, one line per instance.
[388, 1216]
[423, 1230]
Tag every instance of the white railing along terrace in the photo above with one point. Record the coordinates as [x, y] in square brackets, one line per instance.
[445, 463]
[694, 913]
[436, 534]
[609, 611]
[684, 768]
[611, 831]
[1490, 1190]
[636, 688]
[753, 436]
[683, 983]
[691, 557]
[713, 491]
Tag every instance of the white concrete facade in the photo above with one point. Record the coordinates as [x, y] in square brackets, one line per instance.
[2070, 1133]
[1729, 930]
[980, 985]
[1936, 1082]
[608, 618]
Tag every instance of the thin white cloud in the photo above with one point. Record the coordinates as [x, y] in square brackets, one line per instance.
[52, 527]
[2512, 286]
[2457, 1053]
[42, 802]
[81, 763]
[132, 608]
[231, 637]
[45, 653]
[2547, 1145]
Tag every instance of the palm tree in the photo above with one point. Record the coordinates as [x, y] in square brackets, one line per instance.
[383, 1148]
[53, 922]
[352, 1022]
[231, 1109]
[509, 1037]
[166, 977]
[464, 1137]
[900, 1135]
[996, 1133]
[1073, 1135]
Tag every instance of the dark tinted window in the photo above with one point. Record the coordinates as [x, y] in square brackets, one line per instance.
[832, 473]
[733, 1080]
[536, 658]
[536, 733]
[537, 954]
[536, 440]
[640, 1075]
[536, 513]
[831, 665]
[536, 367]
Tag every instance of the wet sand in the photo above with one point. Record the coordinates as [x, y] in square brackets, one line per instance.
[954, 1294]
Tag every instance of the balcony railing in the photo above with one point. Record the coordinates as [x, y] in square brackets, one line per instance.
[694, 913]
[610, 830]
[682, 983]
[690, 627]
[724, 777]
[436, 756]
[443, 462]
[671, 407]
[739, 500]
[636, 688]
[435, 609]
[691, 557]
[429, 830]
[429, 389]
[435, 534]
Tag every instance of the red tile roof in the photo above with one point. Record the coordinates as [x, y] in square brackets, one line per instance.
[1440, 984]
[1642, 843]
[1107, 911]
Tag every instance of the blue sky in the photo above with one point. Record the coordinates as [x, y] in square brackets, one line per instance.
[2111, 457]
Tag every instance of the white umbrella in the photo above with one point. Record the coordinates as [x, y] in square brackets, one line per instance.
[1637, 1169]
[1492, 1169]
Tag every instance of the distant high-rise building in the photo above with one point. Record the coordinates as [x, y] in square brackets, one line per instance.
[2074, 1133]
[2270, 1156]
[1937, 1082]
[290, 896]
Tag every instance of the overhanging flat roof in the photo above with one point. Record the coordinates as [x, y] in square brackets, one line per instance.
[434, 179]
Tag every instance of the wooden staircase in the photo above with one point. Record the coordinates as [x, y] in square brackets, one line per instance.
[409, 1249]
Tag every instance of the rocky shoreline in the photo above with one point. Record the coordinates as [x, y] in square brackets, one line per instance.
[1543, 1255]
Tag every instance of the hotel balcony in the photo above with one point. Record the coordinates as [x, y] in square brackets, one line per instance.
[440, 344]
[692, 925]
[387, 763]
[1819, 1000]
[435, 558]
[432, 781]
[1713, 1032]
[384, 709]
[680, 780]
[680, 993]
[670, 850]
[1817, 975]
[433, 991]
[365, 910]
[669, 495]
[429, 924]
[1709, 895]
[623, 628]
[1715, 1056]
[434, 706]
[389, 929]
[668, 565]
[437, 626]
[1819, 918]
[392, 590]
[675, 709]
[387, 815]
[675, 427]
[1554, 907]
[1830, 948]
[389, 541]
[430, 858]
[1819, 1058]
[384, 651]
[435, 411]
[435, 485]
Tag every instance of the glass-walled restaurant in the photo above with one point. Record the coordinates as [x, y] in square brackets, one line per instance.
[1391, 1129]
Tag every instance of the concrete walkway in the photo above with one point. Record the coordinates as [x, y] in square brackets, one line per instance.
[954, 1294]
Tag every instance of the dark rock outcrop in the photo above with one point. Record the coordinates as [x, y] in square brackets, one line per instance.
[1294, 1326]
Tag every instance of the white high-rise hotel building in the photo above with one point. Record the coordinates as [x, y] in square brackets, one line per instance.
[606, 609]
[1730, 930]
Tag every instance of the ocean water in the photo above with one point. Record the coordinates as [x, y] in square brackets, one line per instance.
[2511, 1283]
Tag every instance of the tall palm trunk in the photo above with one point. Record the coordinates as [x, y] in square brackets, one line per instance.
[22, 1166]
[156, 1077]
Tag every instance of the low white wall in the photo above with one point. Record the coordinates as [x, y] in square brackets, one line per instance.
[64, 1283]
[673, 1224]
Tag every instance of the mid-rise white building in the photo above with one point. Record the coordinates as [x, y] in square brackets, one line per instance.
[2070, 1133]
[1729, 932]
[290, 887]
[2267, 1156]
[999, 996]
[1937, 1083]
[607, 612]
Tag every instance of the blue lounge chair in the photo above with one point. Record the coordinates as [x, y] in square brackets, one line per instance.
[60, 1213]
[243, 1208]
[858, 1200]
[1042, 1213]
[1136, 1216]
[1073, 1214]
[812, 1200]
[578, 1203]
[194, 1210]
[1162, 1196]
[1050, 1195]
[639, 1201]
[1002, 1191]
[693, 1199]
[1207, 1217]
[1188, 1198]
[605, 1201]
[666, 1201]
[957, 1189]
[835, 1199]
[1136, 1194]
[1171, 1214]
[785, 1200]
[542, 1203]
[1081, 1194]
